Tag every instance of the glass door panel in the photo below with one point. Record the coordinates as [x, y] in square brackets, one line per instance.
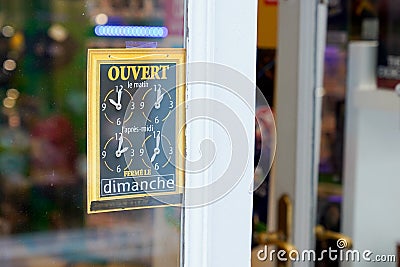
[43, 219]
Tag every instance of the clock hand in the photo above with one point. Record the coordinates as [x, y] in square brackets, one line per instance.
[158, 141]
[112, 101]
[117, 104]
[118, 152]
[159, 99]
[158, 93]
[119, 96]
[124, 150]
[156, 149]
[153, 157]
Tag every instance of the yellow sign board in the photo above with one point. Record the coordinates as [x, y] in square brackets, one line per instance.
[135, 128]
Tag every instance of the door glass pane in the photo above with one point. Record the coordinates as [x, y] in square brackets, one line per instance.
[43, 219]
[347, 21]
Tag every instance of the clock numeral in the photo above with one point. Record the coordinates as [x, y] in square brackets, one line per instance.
[156, 120]
[132, 152]
[156, 167]
[141, 152]
[170, 150]
[103, 154]
[103, 106]
[157, 87]
[118, 87]
[118, 136]
[142, 105]
[133, 105]
[119, 121]
[156, 133]
[171, 104]
[118, 168]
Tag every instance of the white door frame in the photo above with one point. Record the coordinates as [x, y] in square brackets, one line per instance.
[222, 32]
[300, 52]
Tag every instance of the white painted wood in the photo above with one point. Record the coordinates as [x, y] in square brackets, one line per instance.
[224, 32]
[372, 154]
[297, 84]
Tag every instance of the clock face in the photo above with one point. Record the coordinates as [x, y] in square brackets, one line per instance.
[159, 155]
[114, 101]
[160, 103]
[113, 150]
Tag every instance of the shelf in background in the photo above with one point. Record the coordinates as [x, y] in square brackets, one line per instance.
[329, 189]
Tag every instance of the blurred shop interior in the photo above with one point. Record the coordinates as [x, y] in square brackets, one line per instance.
[43, 220]
[347, 21]
[43, 46]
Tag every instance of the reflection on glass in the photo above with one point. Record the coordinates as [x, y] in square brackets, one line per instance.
[43, 221]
